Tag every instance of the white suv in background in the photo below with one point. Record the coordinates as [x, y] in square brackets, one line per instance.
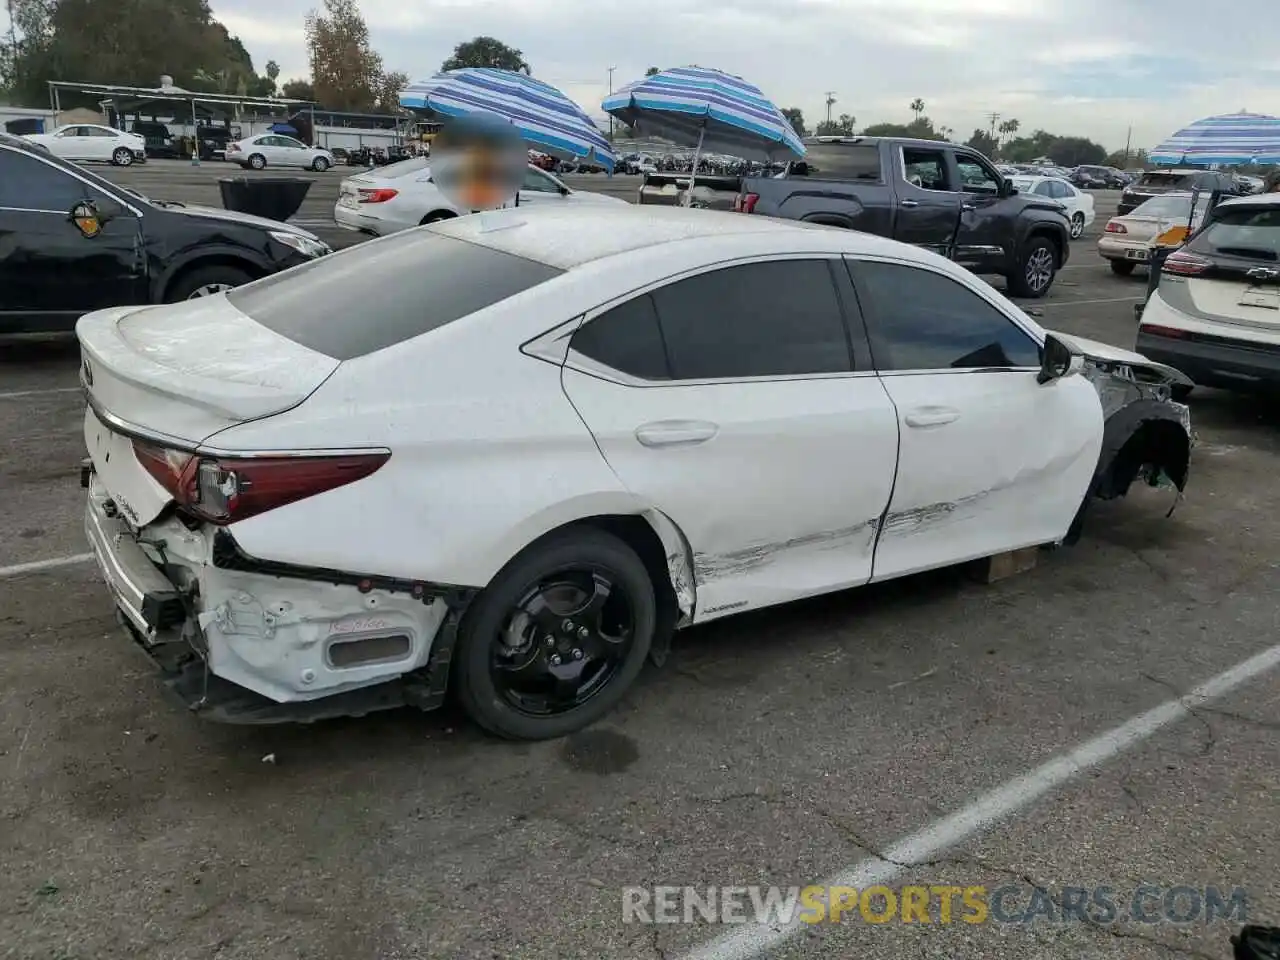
[92, 141]
[1216, 314]
[277, 150]
[402, 195]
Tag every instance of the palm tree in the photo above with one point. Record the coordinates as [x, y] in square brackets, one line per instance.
[917, 107]
[1008, 129]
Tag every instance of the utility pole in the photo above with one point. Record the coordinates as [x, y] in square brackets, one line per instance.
[831, 98]
[994, 118]
[611, 126]
[1128, 139]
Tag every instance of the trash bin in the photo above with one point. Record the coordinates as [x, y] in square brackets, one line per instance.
[276, 198]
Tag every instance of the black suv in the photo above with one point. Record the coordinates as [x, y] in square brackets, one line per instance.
[160, 140]
[72, 242]
[1156, 182]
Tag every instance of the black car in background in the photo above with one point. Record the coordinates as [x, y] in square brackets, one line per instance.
[1153, 183]
[161, 143]
[1090, 176]
[72, 242]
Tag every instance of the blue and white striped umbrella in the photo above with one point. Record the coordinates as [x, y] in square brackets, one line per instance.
[547, 119]
[710, 108]
[1230, 138]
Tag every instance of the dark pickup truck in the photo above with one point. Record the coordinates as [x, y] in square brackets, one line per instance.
[945, 197]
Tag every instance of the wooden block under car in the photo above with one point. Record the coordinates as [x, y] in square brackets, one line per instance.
[1005, 565]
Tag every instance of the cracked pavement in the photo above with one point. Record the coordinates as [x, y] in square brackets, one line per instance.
[779, 747]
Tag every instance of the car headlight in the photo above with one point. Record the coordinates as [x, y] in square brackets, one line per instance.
[304, 245]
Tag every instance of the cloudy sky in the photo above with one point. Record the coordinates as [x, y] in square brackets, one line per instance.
[1090, 67]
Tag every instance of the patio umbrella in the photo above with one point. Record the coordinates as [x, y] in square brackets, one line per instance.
[709, 108]
[1230, 138]
[547, 119]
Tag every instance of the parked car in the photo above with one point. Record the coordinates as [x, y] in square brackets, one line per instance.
[1098, 178]
[1126, 241]
[1249, 185]
[541, 453]
[212, 142]
[71, 242]
[944, 197]
[158, 140]
[91, 141]
[277, 150]
[403, 195]
[1077, 203]
[1157, 182]
[1216, 313]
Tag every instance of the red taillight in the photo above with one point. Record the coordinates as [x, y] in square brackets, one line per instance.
[1113, 227]
[225, 490]
[378, 195]
[745, 202]
[1156, 330]
[1186, 264]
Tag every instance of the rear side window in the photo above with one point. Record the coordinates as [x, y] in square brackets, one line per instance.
[627, 339]
[386, 291]
[1243, 232]
[925, 321]
[842, 161]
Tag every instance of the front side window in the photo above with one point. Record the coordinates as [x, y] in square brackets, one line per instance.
[926, 321]
[539, 182]
[30, 184]
[926, 169]
[1044, 189]
[975, 177]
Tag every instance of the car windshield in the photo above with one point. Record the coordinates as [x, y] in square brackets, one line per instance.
[1243, 231]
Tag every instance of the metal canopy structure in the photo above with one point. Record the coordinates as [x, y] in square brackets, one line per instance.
[152, 100]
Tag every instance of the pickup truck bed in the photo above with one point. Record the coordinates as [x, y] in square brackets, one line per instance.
[709, 192]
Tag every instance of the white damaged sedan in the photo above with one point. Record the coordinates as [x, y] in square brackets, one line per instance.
[508, 454]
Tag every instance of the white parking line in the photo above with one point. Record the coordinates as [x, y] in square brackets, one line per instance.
[1081, 303]
[18, 394]
[754, 940]
[37, 566]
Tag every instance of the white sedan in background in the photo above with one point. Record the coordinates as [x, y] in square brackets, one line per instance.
[1079, 204]
[91, 141]
[512, 453]
[1126, 241]
[402, 195]
[277, 150]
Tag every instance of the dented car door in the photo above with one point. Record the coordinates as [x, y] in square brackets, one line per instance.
[989, 459]
[730, 400]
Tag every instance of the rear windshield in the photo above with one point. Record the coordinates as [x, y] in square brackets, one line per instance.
[840, 161]
[386, 291]
[1165, 208]
[1165, 180]
[402, 168]
[1242, 232]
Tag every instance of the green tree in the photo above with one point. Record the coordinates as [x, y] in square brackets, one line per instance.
[983, 142]
[298, 90]
[486, 52]
[345, 70]
[795, 117]
[387, 91]
[917, 107]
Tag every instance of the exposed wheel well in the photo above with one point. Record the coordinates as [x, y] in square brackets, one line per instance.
[214, 260]
[1157, 445]
[437, 215]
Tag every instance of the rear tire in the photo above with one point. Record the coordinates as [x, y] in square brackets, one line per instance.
[122, 157]
[436, 217]
[1122, 268]
[319, 164]
[257, 161]
[486, 629]
[206, 281]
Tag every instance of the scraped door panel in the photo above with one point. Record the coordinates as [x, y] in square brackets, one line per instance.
[777, 485]
[989, 461]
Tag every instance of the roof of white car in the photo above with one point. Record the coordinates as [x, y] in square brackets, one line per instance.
[568, 235]
[1253, 200]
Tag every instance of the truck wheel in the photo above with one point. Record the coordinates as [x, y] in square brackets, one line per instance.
[1122, 268]
[557, 637]
[1036, 269]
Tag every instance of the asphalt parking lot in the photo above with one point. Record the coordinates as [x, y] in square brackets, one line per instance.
[787, 748]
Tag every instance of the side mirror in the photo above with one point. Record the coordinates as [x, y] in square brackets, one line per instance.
[564, 191]
[1007, 189]
[1056, 360]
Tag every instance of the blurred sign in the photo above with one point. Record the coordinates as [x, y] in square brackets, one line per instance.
[478, 162]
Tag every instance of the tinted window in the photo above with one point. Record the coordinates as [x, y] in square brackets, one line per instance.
[539, 182]
[780, 318]
[1166, 181]
[98, 132]
[975, 177]
[385, 291]
[627, 339]
[842, 161]
[926, 169]
[1044, 189]
[1061, 191]
[925, 321]
[1243, 232]
[28, 184]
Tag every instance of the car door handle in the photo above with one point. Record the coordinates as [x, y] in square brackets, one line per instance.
[910, 203]
[967, 206]
[932, 416]
[670, 433]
